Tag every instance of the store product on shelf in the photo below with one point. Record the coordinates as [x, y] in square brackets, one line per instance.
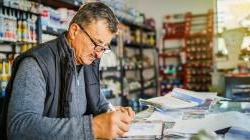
[25, 47]
[134, 85]
[171, 77]
[148, 38]
[188, 37]
[124, 12]
[171, 69]
[8, 25]
[111, 85]
[4, 76]
[199, 66]
[26, 28]
[17, 26]
[56, 19]
[132, 62]
[109, 60]
[25, 5]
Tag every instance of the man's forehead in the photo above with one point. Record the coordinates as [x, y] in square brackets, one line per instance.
[99, 31]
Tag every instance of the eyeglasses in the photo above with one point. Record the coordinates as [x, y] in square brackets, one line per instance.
[97, 48]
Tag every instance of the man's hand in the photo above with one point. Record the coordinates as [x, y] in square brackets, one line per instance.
[111, 124]
[128, 110]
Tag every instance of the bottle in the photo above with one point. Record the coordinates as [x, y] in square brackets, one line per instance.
[25, 28]
[19, 27]
[6, 29]
[33, 29]
[13, 25]
[1, 23]
[4, 80]
[29, 28]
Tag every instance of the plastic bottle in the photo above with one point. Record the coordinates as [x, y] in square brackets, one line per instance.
[33, 28]
[6, 25]
[4, 80]
[19, 27]
[24, 29]
[29, 28]
[13, 26]
[1, 23]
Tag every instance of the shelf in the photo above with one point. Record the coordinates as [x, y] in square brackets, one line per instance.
[135, 45]
[132, 69]
[149, 87]
[132, 45]
[169, 55]
[15, 42]
[151, 79]
[172, 48]
[110, 69]
[50, 31]
[110, 97]
[70, 4]
[148, 67]
[135, 91]
[135, 25]
[20, 10]
[115, 78]
[145, 46]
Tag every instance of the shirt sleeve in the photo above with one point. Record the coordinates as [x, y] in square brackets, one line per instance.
[103, 104]
[25, 119]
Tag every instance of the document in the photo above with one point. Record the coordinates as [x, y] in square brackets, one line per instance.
[179, 99]
[145, 128]
[212, 122]
[165, 116]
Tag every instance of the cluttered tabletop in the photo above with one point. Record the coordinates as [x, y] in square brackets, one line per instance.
[185, 115]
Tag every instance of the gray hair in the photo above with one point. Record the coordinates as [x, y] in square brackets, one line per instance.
[96, 11]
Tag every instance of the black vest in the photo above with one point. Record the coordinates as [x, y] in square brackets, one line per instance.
[55, 59]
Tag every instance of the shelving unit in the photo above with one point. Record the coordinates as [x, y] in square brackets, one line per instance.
[140, 68]
[199, 51]
[186, 58]
[170, 62]
[19, 33]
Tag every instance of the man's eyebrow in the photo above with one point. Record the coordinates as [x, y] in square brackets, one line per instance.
[101, 42]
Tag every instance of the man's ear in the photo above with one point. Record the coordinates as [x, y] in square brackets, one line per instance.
[73, 31]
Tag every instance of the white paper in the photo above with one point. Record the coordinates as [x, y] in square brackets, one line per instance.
[200, 95]
[165, 117]
[181, 98]
[145, 129]
[170, 102]
[212, 122]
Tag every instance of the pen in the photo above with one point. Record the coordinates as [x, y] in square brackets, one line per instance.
[226, 100]
[111, 108]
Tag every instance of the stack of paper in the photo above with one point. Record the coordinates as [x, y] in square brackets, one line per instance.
[145, 128]
[212, 122]
[180, 98]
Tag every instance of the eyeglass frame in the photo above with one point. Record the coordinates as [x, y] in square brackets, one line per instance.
[103, 49]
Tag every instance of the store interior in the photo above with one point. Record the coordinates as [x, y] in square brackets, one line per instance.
[162, 44]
